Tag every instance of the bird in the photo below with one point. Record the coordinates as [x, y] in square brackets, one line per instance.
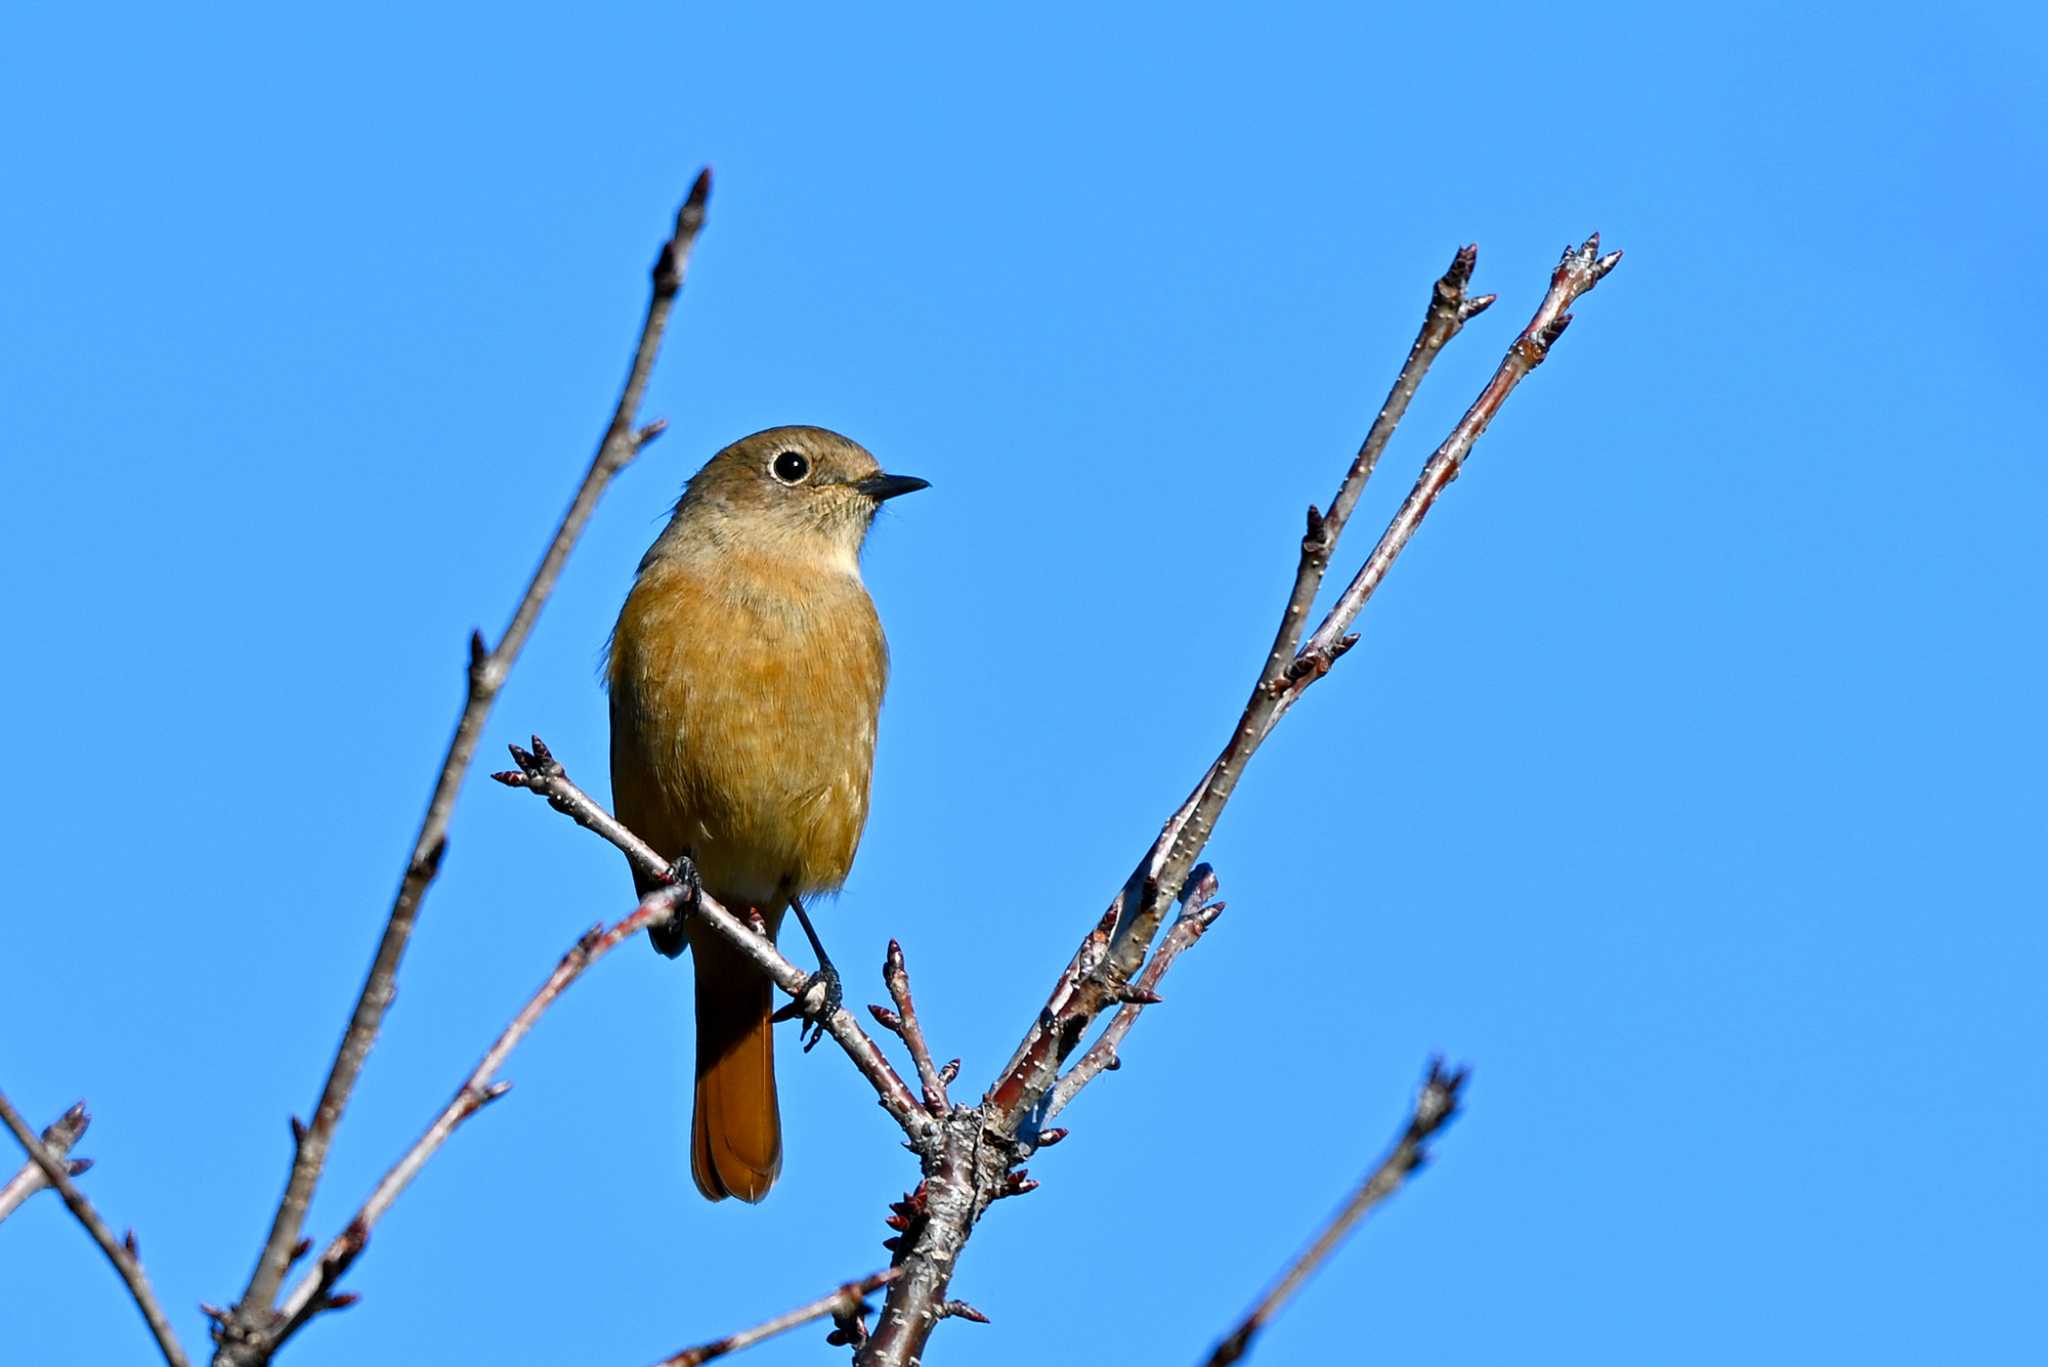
[746, 674]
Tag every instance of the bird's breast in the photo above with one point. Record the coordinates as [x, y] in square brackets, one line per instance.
[744, 698]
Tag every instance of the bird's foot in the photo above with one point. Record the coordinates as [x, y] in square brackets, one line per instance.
[814, 1004]
[670, 939]
[684, 871]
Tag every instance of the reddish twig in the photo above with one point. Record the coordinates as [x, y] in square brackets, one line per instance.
[1435, 1107]
[904, 1022]
[57, 1141]
[846, 1305]
[246, 1334]
[540, 773]
[1199, 912]
[122, 1253]
[978, 1150]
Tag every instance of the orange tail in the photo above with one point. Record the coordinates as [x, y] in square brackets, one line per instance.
[736, 1131]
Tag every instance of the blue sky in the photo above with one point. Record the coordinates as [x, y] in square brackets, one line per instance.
[1686, 782]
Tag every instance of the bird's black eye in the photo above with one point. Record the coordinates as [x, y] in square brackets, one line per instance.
[790, 467]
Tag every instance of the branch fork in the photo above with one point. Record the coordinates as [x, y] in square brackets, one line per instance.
[122, 1253]
[57, 1140]
[973, 1167]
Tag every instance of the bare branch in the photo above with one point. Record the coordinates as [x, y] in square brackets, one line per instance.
[479, 1089]
[906, 1024]
[540, 773]
[1135, 914]
[846, 1305]
[961, 1179]
[1198, 914]
[1449, 310]
[1181, 844]
[245, 1335]
[120, 1252]
[1435, 1107]
[972, 1168]
[57, 1141]
[1580, 269]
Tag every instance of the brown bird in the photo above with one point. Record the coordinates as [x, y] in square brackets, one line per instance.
[746, 675]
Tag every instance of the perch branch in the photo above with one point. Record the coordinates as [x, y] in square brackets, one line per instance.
[1436, 1104]
[540, 773]
[246, 1334]
[57, 1141]
[978, 1150]
[120, 1252]
[843, 1304]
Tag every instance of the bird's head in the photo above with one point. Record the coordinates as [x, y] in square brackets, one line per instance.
[805, 491]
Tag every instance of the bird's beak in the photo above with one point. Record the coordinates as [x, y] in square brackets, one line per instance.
[879, 487]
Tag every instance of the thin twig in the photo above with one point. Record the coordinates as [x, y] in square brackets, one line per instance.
[1199, 912]
[120, 1252]
[973, 1166]
[1436, 1104]
[907, 1025]
[62, 1133]
[844, 1302]
[540, 773]
[1140, 904]
[1449, 310]
[246, 1335]
[478, 1090]
[1580, 269]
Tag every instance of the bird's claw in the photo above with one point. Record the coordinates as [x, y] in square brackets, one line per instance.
[670, 938]
[815, 1003]
[684, 872]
